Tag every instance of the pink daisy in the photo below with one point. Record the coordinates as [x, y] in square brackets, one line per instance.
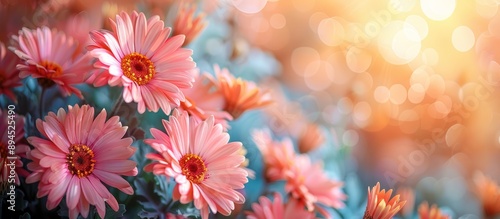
[79, 154]
[309, 184]
[187, 23]
[8, 73]
[140, 56]
[267, 209]
[53, 58]
[205, 166]
[204, 100]
[279, 157]
[11, 137]
[240, 95]
[380, 204]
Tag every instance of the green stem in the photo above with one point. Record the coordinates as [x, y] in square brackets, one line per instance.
[117, 106]
[40, 104]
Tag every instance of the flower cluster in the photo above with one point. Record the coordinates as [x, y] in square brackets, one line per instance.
[172, 109]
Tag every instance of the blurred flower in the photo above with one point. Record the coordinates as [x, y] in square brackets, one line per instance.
[279, 157]
[240, 95]
[309, 184]
[8, 73]
[488, 193]
[406, 193]
[140, 56]
[11, 138]
[425, 212]
[310, 138]
[187, 24]
[79, 154]
[202, 162]
[203, 100]
[78, 26]
[244, 165]
[380, 205]
[277, 209]
[53, 58]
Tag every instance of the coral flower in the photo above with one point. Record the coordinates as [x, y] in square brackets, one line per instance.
[12, 148]
[198, 156]
[310, 138]
[240, 95]
[279, 157]
[489, 194]
[140, 56]
[187, 23]
[79, 154]
[406, 193]
[203, 100]
[53, 58]
[380, 205]
[433, 212]
[309, 184]
[276, 209]
[8, 73]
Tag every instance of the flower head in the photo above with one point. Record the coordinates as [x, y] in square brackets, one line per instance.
[310, 138]
[187, 23]
[8, 73]
[430, 213]
[279, 157]
[53, 58]
[406, 193]
[380, 205]
[204, 165]
[309, 184]
[79, 154]
[140, 56]
[276, 209]
[11, 138]
[240, 95]
[488, 192]
[204, 100]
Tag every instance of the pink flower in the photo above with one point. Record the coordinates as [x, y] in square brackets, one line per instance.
[488, 193]
[380, 204]
[12, 138]
[279, 157]
[432, 212]
[267, 209]
[309, 184]
[187, 24]
[240, 95]
[79, 154]
[310, 138]
[406, 193]
[52, 58]
[202, 162]
[8, 73]
[203, 100]
[140, 56]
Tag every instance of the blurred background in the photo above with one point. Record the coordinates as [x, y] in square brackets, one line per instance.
[403, 92]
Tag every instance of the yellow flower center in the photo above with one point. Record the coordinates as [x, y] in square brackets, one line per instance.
[80, 160]
[193, 168]
[138, 68]
[52, 70]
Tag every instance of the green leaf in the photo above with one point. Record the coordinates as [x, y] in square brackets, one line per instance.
[112, 214]
[25, 216]
[148, 215]
[146, 195]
